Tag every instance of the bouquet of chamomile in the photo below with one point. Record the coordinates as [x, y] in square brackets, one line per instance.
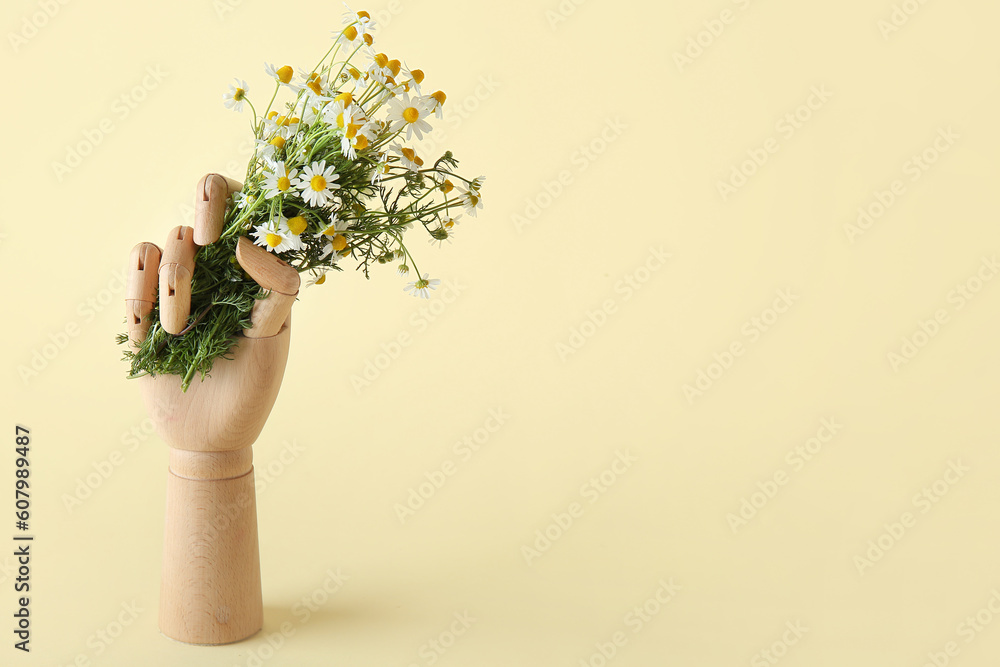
[332, 181]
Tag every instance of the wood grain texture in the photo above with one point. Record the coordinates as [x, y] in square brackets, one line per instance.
[140, 291]
[211, 465]
[175, 297]
[210, 201]
[227, 411]
[176, 269]
[270, 272]
[143, 267]
[210, 590]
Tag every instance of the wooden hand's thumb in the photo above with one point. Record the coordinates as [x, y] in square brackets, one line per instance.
[274, 275]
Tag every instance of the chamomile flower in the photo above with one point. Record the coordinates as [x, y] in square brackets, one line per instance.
[355, 76]
[378, 67]
[402, 269]
[266, 148]
[350, 38]
[354, 139]
[360, 20]
[381, 167]
[334, 237]
[243, 200]
[283, 126]
[335, 227]
[236, 96]
[435, 102]
[408, 113]
[414, 77]
[297, 225]
[341, 111]
[280, 180]
[441, 234]
[421, 288]
[275, 236]
[471, 200]
[449, 222]
[315, 87]
[409, 159]
[318, 182]
[318, 280]
[283, 75]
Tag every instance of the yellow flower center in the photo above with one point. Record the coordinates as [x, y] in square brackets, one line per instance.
[364, 15]
[297, 225]
[273, 240]
[439, 96]
[318, 183]
[411, 115]
[272, 115]
[352, 130]
[368, 39]
[345, 98]
[285, 74]
[409, 154]
[320, 280]
[315, 87]
[449, 224]
[278, 142]
[417, 75]
[339, 242]
[239, 94]
[447, 186]
[418, 161]
[284, 183]
[473, 199]
[355, 74]
[393, 65]
[381, 59]
[351, 33]
[361, 142]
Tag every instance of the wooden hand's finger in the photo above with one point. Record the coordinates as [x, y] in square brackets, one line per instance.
[140, 290]
[176, 269]
[274, 275]
[210, 198]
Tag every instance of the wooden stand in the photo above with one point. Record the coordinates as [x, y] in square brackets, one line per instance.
[210, 589]
[210, 585]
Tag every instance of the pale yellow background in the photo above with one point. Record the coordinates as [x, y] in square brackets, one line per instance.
[523, 290]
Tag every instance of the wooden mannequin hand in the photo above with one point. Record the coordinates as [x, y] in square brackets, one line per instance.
[228, 409]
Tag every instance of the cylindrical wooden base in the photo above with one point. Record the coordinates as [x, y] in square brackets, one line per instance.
[210, 587]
